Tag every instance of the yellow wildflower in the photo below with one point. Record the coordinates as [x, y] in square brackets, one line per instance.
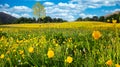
[109, 62]
[108, 20]
[114, 21]
[96, 34]
[1, 29]
[8, 59]
[31, 49]
[117, 65]
[21, 51]
[7, 52]
[2, 56]
[50, 53]
[69, 59]
[56, 45]
[14, 50]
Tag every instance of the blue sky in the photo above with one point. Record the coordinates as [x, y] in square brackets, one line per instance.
[66, 9]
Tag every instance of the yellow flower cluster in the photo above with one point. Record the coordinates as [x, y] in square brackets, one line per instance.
[109, 62]
[114, 21]
[31, 49]
[50, 53]
[117, 65]
[21, 52]
[96, 35]
[69, 59]
[2, 56]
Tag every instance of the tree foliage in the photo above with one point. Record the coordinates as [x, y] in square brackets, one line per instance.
[25, 20]
[39, 10]
[115, 17]
[102, 18]
[47, 19]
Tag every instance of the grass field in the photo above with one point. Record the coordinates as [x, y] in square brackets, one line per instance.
[74, 44]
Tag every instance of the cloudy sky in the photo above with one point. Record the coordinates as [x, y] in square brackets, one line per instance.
[66, 9]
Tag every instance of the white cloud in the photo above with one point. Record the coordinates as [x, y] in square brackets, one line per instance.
[116, 10]
[110, 11]
[68, 5]
[40, 0]
[12, 14]
[35, 0]
[95, 3]
[73, 8]
[67, 11]
[86, 15]
[48, 3]
[16, 11]
[1, 5]
[4, 5]
[64, 16]
[25, 15]
[15, 15]
[21, 9]
[62, 4]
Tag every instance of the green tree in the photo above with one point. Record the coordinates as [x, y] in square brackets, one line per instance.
[95, 18]
[79, 19]
[102, 18]
[39, 11]
[47, 19]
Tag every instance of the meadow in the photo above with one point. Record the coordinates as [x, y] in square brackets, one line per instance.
[71, 44]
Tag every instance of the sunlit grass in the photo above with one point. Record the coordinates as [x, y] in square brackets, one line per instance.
[64, 25]
[74, 44]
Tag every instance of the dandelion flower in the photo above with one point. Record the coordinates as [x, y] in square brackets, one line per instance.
[2, 56]
[108, 20]
[117, 65]
[50, 54]
[21, 52]
[31, 49]
[69, 59]
[96, 34]
[109, 62]
[114, 21]
[8, 59]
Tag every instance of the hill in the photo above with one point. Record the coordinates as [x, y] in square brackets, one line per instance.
[6, 18]
[116, 12]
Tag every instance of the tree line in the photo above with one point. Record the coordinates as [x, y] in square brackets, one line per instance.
[102, 18]
[47, 19]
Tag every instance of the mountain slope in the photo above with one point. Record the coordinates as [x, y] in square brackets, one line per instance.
[116, 12]
[6, 18]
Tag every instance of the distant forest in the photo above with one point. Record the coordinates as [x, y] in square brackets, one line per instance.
[8, 19]
[110, 17]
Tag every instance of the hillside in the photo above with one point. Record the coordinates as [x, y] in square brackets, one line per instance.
[116, 12]
[6, 18]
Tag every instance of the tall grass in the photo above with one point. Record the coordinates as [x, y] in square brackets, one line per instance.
[60, 47]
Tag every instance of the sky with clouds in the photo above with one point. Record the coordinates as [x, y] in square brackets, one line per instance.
[66, 9]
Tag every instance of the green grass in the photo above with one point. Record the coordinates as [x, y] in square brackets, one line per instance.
[75, 41]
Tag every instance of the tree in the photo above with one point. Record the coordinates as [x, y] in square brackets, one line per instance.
[33, 20]
[47, 19]
[25, 20]
[79, 19]
[87, 19]
[54, 19]
[102, 18]
[0, 21]
[39, 10]
[95, 18]
[114, 16]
